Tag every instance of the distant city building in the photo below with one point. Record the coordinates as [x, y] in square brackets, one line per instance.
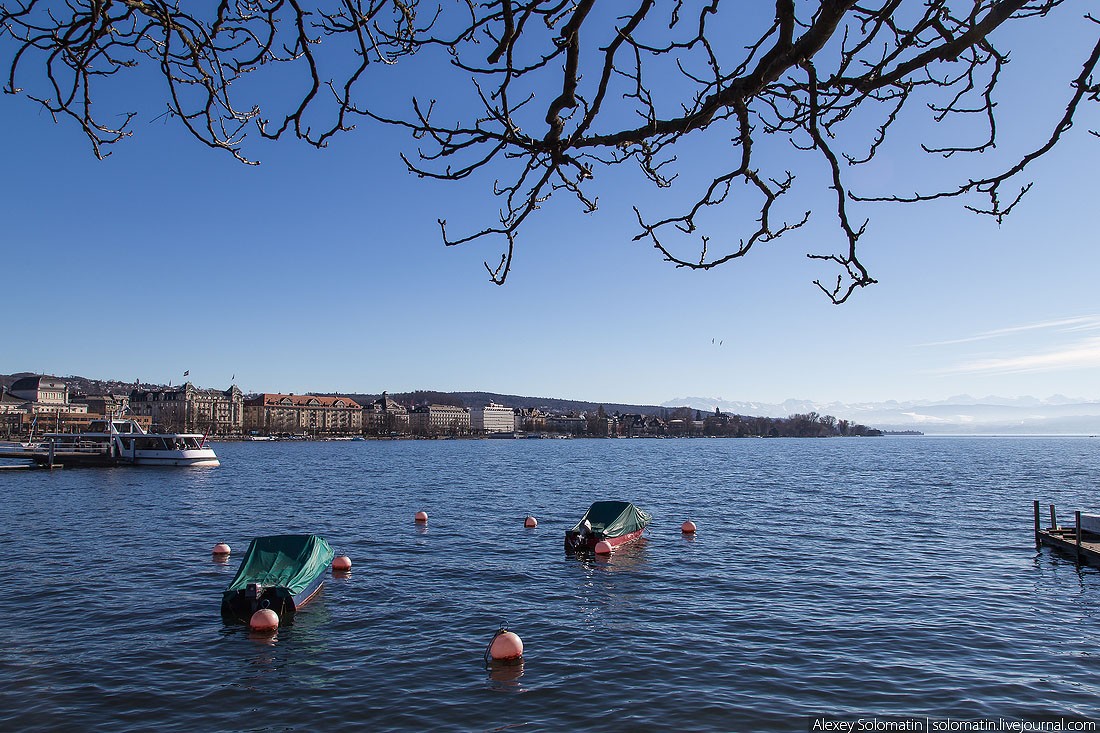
[530, 420]
[11, 404]
[12, 411]
[108, 405]
[314, 415]
[42, 390]
[384, 416]
[439, 420]
[641, 426]
[492, 418]
[567, 424]
[603, 426]
[191, 410]
[44, 402]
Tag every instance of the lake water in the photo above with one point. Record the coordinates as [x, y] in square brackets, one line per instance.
[840, 577]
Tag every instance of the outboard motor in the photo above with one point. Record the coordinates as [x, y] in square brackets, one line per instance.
[578, 541]
[253, 592]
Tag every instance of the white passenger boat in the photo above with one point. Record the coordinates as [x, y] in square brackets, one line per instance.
[124, 442]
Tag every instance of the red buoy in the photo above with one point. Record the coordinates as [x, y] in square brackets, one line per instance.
[688, 527]
[505, 646]
[530, 521]
[220, 549]
[264, 621]
[603, 547]
[341, 564]
[421, 517]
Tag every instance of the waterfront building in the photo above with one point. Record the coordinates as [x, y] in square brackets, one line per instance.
[492, 418]
[642, 426]
[188, 409]
[531, 420]
[569, 424]
[603, 426]
[384, 417]
[12, 410]
[43, 406]
[313, 415]
[439, 420]
[42, 395]
[11, 404]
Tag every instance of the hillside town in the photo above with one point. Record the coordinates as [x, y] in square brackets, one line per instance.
[44, 404]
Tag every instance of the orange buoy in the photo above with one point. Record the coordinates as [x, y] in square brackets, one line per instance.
[341, 564]
[505, 646]
[530, 521]
[220, 549]
[603, 547]
[688, 527]
[421, 516]
[264, 621]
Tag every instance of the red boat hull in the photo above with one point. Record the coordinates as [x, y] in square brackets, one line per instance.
[574, 543]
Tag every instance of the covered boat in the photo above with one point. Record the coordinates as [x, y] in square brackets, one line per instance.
[281, 572]
[616, 522]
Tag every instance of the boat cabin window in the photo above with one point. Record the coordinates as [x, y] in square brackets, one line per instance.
[150, 443]
[191, 443]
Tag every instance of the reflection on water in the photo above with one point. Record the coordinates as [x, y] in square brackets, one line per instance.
[626, 558]
[264, 639]
[504, 676]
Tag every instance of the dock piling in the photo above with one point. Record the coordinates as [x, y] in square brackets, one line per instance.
[1077, 536]
[1069, 539]
[1038, 540]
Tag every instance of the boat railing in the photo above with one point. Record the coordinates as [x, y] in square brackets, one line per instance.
[74, 446]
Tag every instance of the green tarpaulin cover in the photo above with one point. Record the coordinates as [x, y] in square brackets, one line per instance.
[614, 518]
[288, 560]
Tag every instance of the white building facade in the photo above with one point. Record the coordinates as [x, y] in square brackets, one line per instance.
[439, 420]
[492, 418]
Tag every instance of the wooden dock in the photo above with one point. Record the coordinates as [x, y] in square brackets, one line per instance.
[52, 456]
[24, 466]
[1080, 540]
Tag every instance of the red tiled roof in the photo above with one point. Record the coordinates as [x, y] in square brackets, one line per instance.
[304, 400]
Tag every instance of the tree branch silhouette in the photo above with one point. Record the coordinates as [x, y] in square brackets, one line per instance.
[558, 92]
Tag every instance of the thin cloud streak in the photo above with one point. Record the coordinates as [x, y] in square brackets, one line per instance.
[1077, 324]
[1082, 355]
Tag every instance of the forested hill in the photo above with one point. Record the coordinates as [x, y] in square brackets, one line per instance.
[475, 399]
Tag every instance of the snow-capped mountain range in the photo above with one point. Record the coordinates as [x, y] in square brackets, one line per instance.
[959, 414]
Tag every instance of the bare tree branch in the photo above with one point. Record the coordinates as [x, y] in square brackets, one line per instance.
[560, 91]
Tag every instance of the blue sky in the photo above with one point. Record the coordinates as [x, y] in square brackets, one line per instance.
[324, 271]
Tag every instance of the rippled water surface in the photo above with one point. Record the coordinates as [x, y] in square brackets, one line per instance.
[892, 576]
